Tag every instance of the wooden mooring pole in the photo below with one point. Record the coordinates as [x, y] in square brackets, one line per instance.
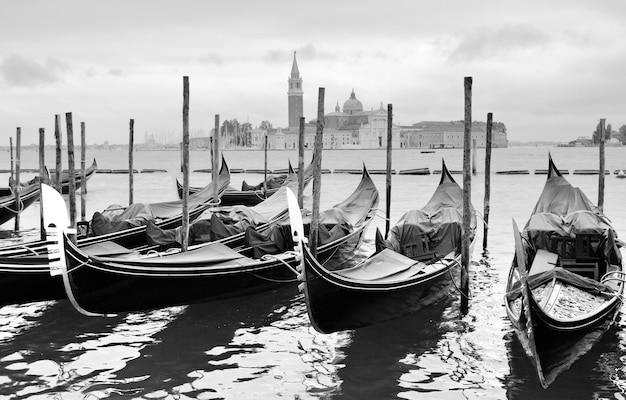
[131, 176]
[42, 179]
[83, 177]
[18, 150]
[185, 165]
[467, 191]
[216, 159]
[388, 172]
[487, 178]
[58, 167]
[474, 167]
[265, 169]
[602, 168]
[12, 180]
[301, 163]
[71, 169]
[317, 172]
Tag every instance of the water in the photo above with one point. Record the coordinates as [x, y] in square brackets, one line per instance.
[262, 346]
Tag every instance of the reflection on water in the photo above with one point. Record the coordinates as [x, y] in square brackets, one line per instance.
[262, 346]
[81, 360]
[17, 318]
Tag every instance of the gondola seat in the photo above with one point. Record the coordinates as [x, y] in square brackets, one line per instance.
[419, 249]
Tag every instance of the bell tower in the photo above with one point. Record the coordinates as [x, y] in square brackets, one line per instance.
[295, 95]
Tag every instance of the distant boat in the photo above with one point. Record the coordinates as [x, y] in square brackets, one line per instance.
[620, 174]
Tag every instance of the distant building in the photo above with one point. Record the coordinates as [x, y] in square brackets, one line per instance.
[440, 134]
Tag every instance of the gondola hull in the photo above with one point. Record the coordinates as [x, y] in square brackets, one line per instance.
[10, 206]
[415, 268]
[105, 287]
[20, 284]
[24, 267]
[78, 182]
[335, 304]
[210, 271]
[566, 282]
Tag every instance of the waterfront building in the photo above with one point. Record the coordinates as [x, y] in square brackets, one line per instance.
[450, 135]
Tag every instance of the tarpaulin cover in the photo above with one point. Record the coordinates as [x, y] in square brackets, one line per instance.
[561, 198]
[115, 218]
[220, 222]
[440, 220]
[214, 254]
[334, 223]
[565, 211]
[273, 182]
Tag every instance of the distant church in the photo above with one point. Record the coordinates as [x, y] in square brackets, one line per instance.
[351, 127]
[348, 128]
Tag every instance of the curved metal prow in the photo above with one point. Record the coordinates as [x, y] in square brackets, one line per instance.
[552, 169]
[446, 176]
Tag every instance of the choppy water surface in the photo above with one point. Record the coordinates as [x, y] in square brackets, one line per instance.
[262, 346]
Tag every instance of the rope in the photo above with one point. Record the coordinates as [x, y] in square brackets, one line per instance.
[458, 289]
[273, 257]
[19, 210]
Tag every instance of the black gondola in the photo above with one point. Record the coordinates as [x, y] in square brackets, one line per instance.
[567, 278]
[24, 267]
[413, 269]
[208, 271]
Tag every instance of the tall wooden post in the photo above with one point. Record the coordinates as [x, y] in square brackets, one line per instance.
[467, 192]
[83, 177]
[43, 178]
[474, 168]
[71, 169]
[602, 168]
[388, 180]
[185, 148]
[131, 175]
[301, 163]
[215, 159]
[317, 172]
[18, 150]
[12, 180]
[265, 169]
[58, 166]
[487, 178]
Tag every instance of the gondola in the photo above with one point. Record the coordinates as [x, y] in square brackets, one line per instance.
[24, 267]
[218, 269]
[65, 177]
[566, 280]
[251, 195]
[414, 268]
[10, 205]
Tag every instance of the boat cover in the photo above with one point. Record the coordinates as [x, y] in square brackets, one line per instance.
[273, 182]
[221, 222]
[441, 220]
[214, 254]
[117, 218]
[565, 211]
[561, 198]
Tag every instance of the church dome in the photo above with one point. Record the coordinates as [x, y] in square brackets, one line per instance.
[352, 105]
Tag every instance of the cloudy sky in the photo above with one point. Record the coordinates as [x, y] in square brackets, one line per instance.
[548, 69]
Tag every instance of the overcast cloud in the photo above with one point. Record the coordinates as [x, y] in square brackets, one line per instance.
[548, 70]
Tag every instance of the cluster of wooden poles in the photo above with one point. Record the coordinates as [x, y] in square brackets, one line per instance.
[469, 168]
[43, 175]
